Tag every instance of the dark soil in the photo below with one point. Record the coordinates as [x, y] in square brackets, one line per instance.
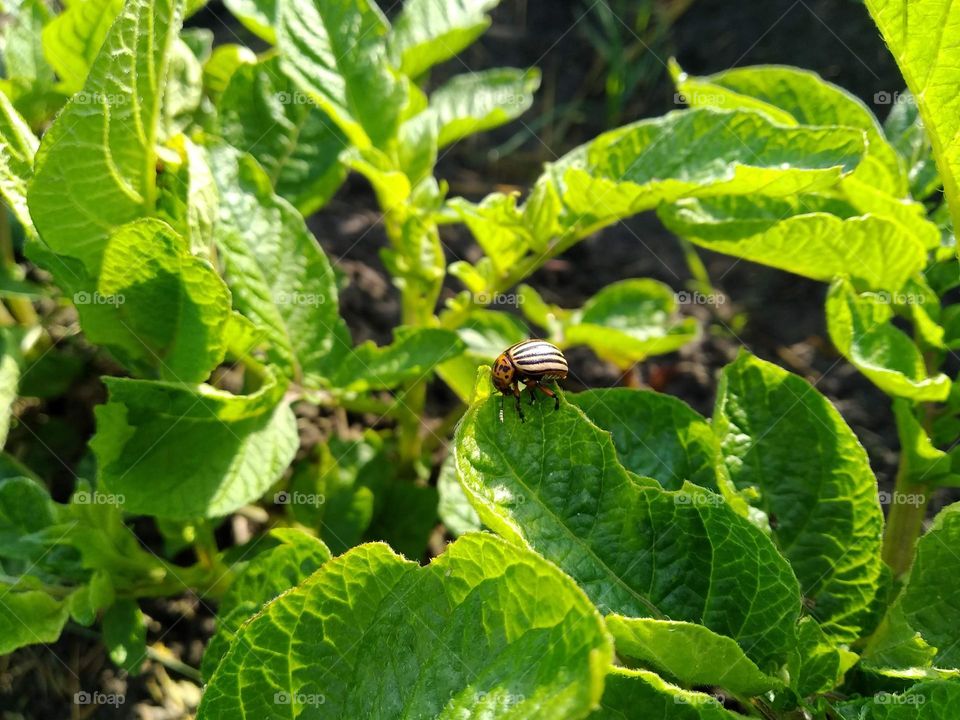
[777, 316]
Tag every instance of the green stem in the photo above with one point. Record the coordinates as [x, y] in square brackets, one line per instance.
[908, 508]
[701, 278]
[21, 308]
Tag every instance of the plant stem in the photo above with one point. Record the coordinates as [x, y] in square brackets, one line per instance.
[20, 308]
[904, 521]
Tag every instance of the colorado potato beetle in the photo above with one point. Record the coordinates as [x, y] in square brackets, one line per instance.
[530, 362]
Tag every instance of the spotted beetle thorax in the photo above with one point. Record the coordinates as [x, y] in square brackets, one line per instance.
[503, 373]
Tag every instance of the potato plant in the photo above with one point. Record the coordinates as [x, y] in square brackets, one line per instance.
[619, 557]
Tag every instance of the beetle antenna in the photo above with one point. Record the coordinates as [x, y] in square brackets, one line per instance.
[501, 409]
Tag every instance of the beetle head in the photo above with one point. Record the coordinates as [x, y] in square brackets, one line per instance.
[503, 374]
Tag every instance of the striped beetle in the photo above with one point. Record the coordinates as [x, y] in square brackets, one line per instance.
[530, 362]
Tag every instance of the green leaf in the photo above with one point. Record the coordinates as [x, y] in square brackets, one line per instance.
[413, 354]
[454, 508]
[821, 493]
[257, 16]
[87, 601]
[295, 303]
[72, 40]
[930, 598]
[920, 460]
[29, 79]
[696, 153]
[222, 63]
[29, 617]
[485, 334]
[187, 195]
[296, 556]
[860, 327]
[803, 236]
[160, 309]
[656, 435]
[792, 97]
[915, 33]
[904, 130]
[628, 321]
[690, 653]
[475, 102]
[182, 92]
[335, 50]
[262, 112]
[641, 695]
[125, 635]
[934, 700]
[10, 362]
[180, 452]
[554, 483]
[896, 645]
[428, 32]
[468, 625]
[406, 515]
[18, 145]
[819, 663]
[96, 167]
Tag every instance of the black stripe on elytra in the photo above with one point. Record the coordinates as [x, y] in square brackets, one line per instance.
[539, 358]
[539, 348]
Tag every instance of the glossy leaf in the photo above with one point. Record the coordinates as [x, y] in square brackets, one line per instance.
[159, 308]
[554, 483]
[96, 167]
[293, 558]
[335, 50]
[641, 695]
[428, 32]
[72, 40]
[656, 435]
[821, 493]
[204, 455]
[262, 112]
[257, 16]
[468, 624]
[860, 327]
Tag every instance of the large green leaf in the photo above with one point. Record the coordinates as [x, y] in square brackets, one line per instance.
[641, 695]
[931, 599]
[803, 236]
[428, 32]
[860, 327]
[259, 234]
[295, 556]
[656, 435]
[792, 96]
[371, 635]
[555, 484]
[821, 495]
[918, 34]
[72, 40]
[697, 153]
[691, 653]
[335, 50]
[934, 700]
[257, 16]
[474, 102]
[904, 130]
[262, 112]
[96, 167]
[162, 310]
[18, 145]
[180, 451]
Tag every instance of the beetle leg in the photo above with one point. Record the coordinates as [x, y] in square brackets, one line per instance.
[550, 393]
[533, 392]
[516, 392]
[501, 408]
